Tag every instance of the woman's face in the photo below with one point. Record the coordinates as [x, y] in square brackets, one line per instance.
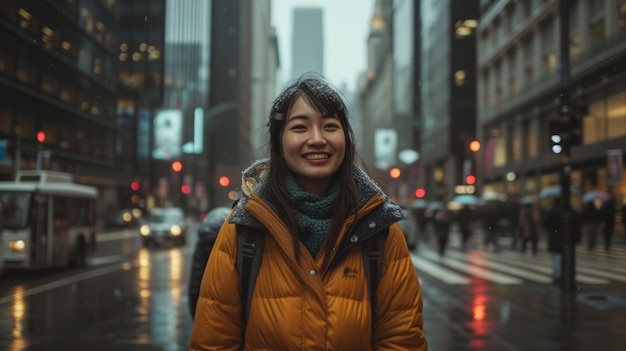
[313, 146]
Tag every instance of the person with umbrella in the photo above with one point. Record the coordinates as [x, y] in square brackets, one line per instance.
[553, 224]
[608, 214]
[592, 221]
[528, 224]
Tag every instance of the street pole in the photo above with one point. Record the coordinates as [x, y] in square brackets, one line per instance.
[17, 164]
[568, 258]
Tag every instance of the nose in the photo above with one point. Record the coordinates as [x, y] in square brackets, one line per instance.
[316, 137]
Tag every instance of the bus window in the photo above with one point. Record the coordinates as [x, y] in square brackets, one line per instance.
[15, 207]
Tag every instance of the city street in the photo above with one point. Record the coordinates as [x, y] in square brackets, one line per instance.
[132, 298]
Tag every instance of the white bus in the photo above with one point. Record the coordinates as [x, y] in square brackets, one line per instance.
[48, 220]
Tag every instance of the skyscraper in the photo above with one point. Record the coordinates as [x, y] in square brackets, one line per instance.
[307, 41]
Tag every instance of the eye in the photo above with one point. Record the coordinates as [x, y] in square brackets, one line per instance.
[298, 127]
[332, 126]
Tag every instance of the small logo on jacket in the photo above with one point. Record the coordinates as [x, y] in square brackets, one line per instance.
[350, 273]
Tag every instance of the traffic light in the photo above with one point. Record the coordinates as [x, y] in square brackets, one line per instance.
[41, 136]
[394, 173]
[474, 146]
[555, 133]
[224, 181]
[470, 179]
[134, 185]
[565, 132]
[420, 193]
[185, 189]
[177, 166]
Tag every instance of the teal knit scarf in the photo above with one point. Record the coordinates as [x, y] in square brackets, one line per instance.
[313, 213]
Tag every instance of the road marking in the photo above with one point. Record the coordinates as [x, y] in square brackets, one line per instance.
[441, 273]
[474, 270]
[583, 278]
[475, 258]
[89, 275]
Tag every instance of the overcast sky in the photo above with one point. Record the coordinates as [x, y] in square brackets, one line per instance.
[346, 26]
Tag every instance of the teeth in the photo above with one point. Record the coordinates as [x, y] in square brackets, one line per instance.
[315, 156]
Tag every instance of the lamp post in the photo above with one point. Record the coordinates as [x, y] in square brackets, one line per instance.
[568, 261]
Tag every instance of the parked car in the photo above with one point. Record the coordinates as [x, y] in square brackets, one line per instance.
[409, 228]
[164, 225]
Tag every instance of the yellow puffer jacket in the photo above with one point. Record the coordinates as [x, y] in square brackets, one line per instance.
[296, 307]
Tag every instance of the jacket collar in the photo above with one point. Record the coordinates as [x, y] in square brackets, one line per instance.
[372, 220]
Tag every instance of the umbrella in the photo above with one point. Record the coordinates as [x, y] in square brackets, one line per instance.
[419, 204]
[466, 199]
[527, 200]
[435, 205]
[554, 191]
[492, 195]
[594, 195]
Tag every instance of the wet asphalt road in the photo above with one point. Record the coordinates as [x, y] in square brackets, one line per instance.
[132, 298]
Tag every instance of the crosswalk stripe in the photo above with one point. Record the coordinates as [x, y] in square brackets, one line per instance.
[477, 259]
[446, 275]
[472, 269]
[583, 278]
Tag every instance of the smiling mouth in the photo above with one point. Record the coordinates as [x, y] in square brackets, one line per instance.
[316, 156]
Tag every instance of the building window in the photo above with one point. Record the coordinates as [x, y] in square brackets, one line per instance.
[547, 46]
[529, 71]
[6, 120]
[594, 124]
[596, 21]
[616, 114]
[532, 139]
[7, 60]
[499, 149]
[516, 144]
[512, 74]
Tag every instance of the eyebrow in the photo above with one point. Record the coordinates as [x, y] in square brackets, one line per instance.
[303, 116]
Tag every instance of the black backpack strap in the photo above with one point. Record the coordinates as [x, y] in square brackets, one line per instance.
[250, 243]
[372, 262]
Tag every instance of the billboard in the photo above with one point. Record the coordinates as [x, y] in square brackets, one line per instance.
[168, 125]
[385, 148]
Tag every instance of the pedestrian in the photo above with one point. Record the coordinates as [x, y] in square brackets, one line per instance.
[608, 214]
[442, 220]
[552, 223]
[491, 223]
[463, 219]
[316, 206]
[529, 227]
[207, 233]
[592, 222]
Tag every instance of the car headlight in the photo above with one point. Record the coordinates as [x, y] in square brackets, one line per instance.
[17, 245]
[144, 230]
[175, 229]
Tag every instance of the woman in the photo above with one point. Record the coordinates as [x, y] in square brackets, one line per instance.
[310, 292]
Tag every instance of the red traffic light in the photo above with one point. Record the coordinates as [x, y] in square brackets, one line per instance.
[420, 193]
[185, 189]
[474, 146]
[41, 136]
[134, 186]
[394, 173]
[177, 166]
[224, 181]
[470, 179]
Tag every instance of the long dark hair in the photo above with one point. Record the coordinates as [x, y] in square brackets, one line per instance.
[327, 100]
